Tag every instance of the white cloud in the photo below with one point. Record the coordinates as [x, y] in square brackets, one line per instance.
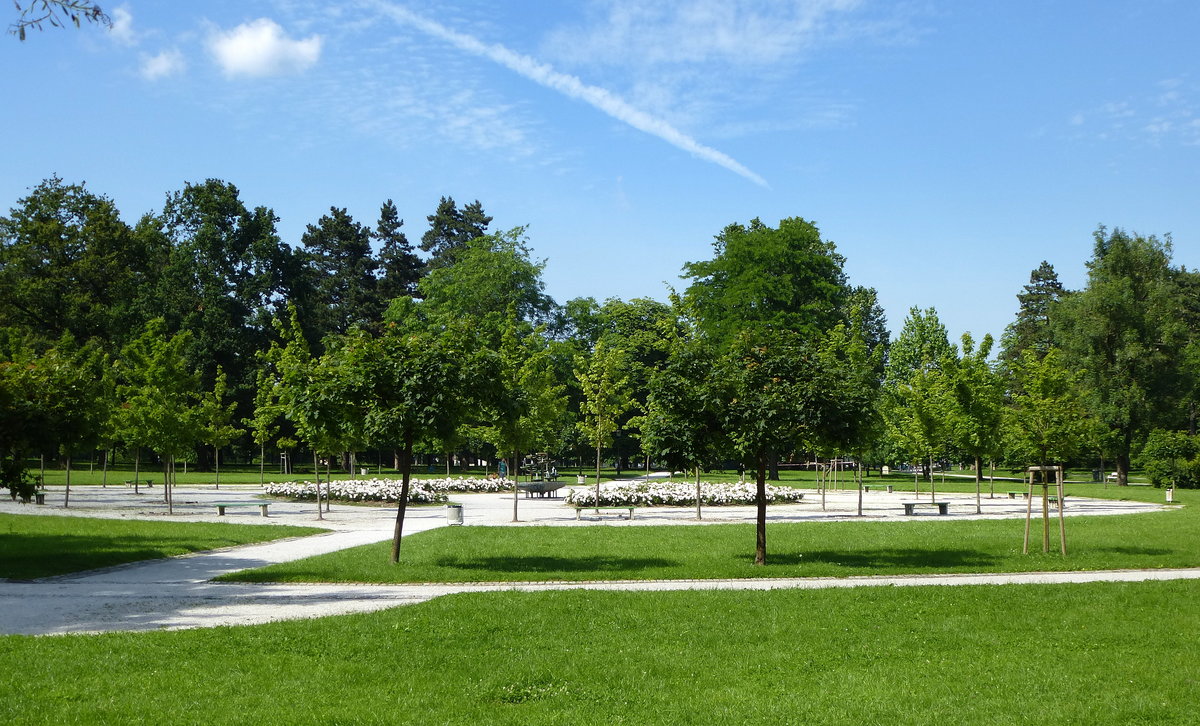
[261, 48]
[167, 63]
[572, 87]
[122, 26]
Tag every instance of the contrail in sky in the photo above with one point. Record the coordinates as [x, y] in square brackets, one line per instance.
[569, 86]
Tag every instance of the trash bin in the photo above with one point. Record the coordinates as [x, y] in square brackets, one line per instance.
[454, 514]
[1095, 475]
[40, 498]
[581, 480]
[363, 472]
[1170, 494]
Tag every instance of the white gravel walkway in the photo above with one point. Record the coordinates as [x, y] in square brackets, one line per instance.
[177, 592]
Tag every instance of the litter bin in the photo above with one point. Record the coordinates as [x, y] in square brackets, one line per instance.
[40, 498]
[1095, 475]
[454, 514]
[1170, 494]
[581, 480]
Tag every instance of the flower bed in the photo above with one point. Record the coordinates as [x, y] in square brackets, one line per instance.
[679, 494]
[420, 491]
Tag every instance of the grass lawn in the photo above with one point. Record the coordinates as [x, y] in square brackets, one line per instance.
[1086, 654]
[40, 546]
[482, 554]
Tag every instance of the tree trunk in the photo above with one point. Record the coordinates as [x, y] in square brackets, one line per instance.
[167, 462]
[317, 473]
[978, 484]
[405, 474]
[447, 464]
[67, 496]
[698, 514]
[932, 486]
[262, 465]
[760, 501]
[104, 472]
[137, 462]
[516, 481]
[217, 468]
[597, 472]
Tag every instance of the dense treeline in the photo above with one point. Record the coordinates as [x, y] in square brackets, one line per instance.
[197, 333]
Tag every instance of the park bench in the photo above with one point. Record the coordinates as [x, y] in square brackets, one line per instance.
[262, 506]
[145, 482]
[580, 507]
[943, 507]
[1015, 494]
[889, 487]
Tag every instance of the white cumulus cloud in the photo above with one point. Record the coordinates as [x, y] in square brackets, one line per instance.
[262, 48]
[122, 26]
[167, 63]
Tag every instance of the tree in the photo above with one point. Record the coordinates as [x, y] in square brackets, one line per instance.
[1046, 421]
[491, 274]
[222, 281]
[216, 421]
[775, 279]
[977, 404]
[681, 426]
[1124, 332]
[339, 252]
[1033, 328]
[56, 13]
[400, 267]
[159, 394]
[68, 264]
[263, 425]
[770, 400]
[765, 301]
[23, 422]
[526, 399]
[603, 377]
[450, 229]
[74, 392]
[916, 401]
[423, 380]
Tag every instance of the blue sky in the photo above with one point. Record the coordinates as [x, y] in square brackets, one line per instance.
[945, 147]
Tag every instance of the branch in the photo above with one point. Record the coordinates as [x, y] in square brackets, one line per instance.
[56, 13]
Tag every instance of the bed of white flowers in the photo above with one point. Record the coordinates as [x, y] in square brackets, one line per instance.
[420, 491]
[678, 494]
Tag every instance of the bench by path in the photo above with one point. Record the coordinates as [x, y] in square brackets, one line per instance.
[580, 507]
[221, 506]
[943, 507]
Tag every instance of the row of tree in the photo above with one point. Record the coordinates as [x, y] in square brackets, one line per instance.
[199, 330]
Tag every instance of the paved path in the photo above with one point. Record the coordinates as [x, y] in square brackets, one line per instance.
[177, 592]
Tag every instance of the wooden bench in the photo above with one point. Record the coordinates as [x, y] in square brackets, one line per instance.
[262, 506]
[943, 507]
[1013, 495]
[579, 508]
[890, 487]
[148, 483]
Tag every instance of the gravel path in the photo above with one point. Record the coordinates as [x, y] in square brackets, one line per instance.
[177, 592]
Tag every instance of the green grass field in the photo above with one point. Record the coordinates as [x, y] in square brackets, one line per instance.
[40, 546]
[1072, 654]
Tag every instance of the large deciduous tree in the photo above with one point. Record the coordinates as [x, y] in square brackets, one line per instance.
[1124, 333]
[765, 301]
[68, 264]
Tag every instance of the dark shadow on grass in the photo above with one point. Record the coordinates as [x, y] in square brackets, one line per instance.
[885, 559]
[550, 563]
